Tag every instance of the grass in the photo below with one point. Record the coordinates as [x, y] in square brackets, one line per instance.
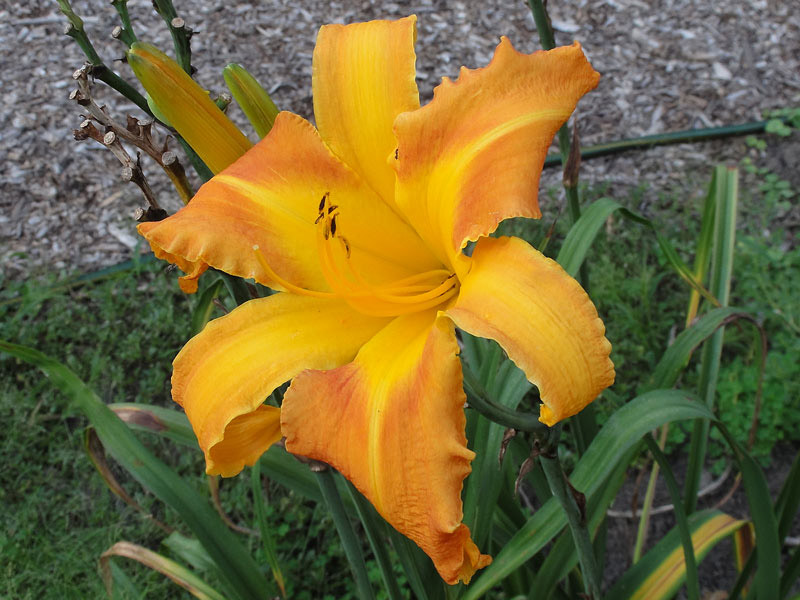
[121, 333]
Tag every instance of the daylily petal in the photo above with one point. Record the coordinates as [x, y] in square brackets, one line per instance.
[363, 77]
[223, 375]
[472, 156]
[270, 197]
[193, 270]
[542, 318]
[393, 423]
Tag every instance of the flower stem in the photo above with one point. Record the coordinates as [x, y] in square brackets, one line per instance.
[76, 31]
[585, 421]
[180, 33]
[478, 399]
[576, 519]
[350, 543]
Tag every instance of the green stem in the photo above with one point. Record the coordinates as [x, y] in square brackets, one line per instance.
[692, 582]
[585, 422]
[350, 543]
[375, 535]
[179, 32]
[478, 399]
[76, 31]
[546, 38]
[127, 35]
[575, 519]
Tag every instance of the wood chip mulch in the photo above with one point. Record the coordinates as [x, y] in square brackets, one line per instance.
[665, 66]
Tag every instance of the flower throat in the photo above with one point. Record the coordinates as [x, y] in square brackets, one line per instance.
[402, 296]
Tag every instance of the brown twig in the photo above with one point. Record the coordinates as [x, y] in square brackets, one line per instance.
[138, 133]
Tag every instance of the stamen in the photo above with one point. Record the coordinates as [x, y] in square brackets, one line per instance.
[402, 296]
[282, 282]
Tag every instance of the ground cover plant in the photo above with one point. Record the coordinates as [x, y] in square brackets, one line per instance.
[667, 292]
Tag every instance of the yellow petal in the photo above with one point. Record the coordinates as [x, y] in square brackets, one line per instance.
[473, 156]
[187, 107]
[393, 423]
[542, 318]
[363, 77]
[223, 375]
[270, 198]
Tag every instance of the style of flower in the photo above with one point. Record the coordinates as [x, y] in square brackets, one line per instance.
[360, 226]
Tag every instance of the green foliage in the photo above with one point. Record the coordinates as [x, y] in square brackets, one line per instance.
[120, 334]
[59, 516]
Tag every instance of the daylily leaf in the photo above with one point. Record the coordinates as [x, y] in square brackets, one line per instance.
[624, 429]
[176, 572]
[235, 563]
[661, 571]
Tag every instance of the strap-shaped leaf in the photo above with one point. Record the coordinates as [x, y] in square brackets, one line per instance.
[624, 429]
[677, 356]
[582, 234]
[240, 570]
[175, 571]
[768, 546]
[662, 570]
[278, 465]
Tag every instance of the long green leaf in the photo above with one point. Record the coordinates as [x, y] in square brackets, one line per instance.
[785, 509]
[278, 464]
[240, 570]
[562, 557]
[166, 422]
[660, 572]
[726, 193]
[190, 551]
[624, 429]
[585, 229]
[788, 499]
[705, 240]
[682, 523]
[176, 572]
[582, 234]
[205, 304]
[507, 385]
[267, 540]
[350, 543]
[676, 357]
[374, 527]
[791, 573]
[768, 546]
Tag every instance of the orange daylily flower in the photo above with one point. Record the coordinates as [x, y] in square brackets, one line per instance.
[359, 225]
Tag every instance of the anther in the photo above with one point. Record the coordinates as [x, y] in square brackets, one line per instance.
[323, 201]
[346, 246]
[333, 225]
